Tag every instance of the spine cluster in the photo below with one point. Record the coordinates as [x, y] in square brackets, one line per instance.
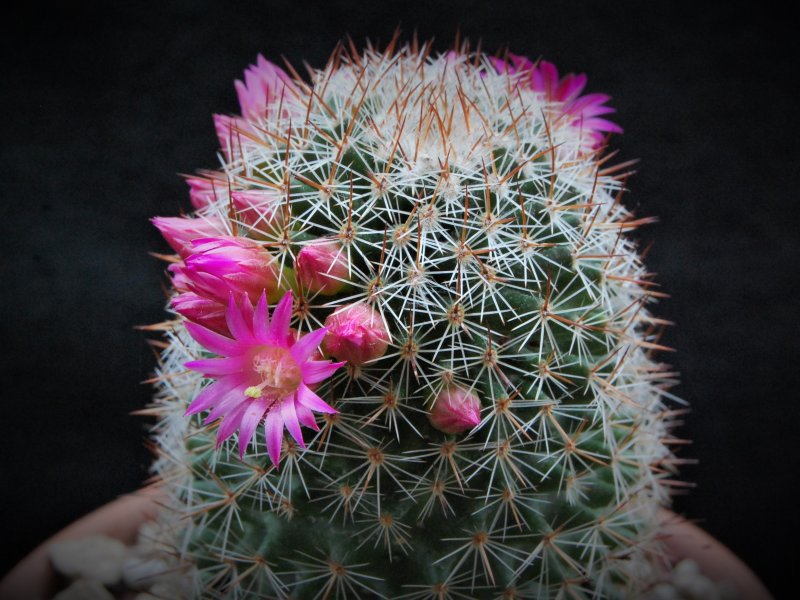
[501, 429]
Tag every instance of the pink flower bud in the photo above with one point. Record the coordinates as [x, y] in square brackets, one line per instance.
[221, 265]
[179, 281]
[356, 333]
[180, 231]
[204, 191]
[232, 133]
[455, 411]
[203, 311]
[261, 210]
[322, 267]
[265, 84]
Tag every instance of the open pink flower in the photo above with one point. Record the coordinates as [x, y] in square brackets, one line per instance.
[581, 111]
[263, 375]
[513, 64]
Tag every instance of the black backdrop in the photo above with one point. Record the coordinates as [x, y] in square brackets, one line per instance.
[103, 106]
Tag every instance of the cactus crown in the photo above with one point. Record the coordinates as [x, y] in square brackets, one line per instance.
[499, 427]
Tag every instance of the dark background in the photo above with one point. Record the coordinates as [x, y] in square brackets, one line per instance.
[103, 106]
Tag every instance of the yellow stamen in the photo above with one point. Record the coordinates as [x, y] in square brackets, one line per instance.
[253, 391]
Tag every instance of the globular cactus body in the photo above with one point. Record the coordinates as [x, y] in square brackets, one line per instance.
[497, 426]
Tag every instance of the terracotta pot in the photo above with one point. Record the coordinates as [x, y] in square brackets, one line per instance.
[34, 578]
[717, 562]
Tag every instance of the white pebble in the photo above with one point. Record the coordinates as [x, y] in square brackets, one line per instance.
[701, 588]
[97, 557]
[84, 589]
[139, 573]
[686, 568]
[664, 591]
[148, 535]
[173, 591]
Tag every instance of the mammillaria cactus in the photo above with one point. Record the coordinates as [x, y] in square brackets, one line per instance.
[449, 229]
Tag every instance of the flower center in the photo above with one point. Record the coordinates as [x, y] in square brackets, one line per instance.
[278, 372]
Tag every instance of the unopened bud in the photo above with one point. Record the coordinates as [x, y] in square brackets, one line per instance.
[219, 266]
[261, 210]
[180, 231]
[322, 267]
[455, 411]
[266, 84]
[203, 311]
[356, 333]
[204, 191]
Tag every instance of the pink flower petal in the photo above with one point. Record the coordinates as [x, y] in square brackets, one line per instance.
[237, 323]
[305, 416]
[247, 310]
[215, 342]
[250, 419]
[289, 417]
[273, 430]
[313, 402]
[227, 404]
[306, 345]
[261, 320]
[571, 86]
[602, 125]
[281, 317]
[215, 367]
[230, 423]
[212, 394]
[584, 102]
[593, 111]
[315, 371]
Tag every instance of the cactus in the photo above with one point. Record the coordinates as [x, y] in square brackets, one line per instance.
[411, 352]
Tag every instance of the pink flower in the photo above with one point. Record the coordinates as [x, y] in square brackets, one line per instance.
[513, 65]
[356, 334]
[203, 311]
[262, 375]
[265, 84]
[265, 87]
[221, 265]
[584, 111]
[455, 411]
[204, 191]
[581, 111]
[322, 267]
[180, 231]
[179, 281]
[261, 210]
[232, 133]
